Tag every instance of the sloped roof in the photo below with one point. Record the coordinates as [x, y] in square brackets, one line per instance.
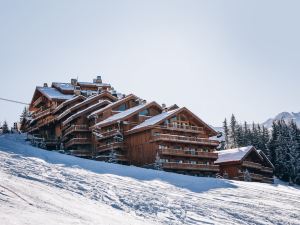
[78, 105]
[68, 102]
[165, 115]
[53, 93]
[234, 155]
[121, 101]
[88, 109]
[124, 114]
[63, 86]
[155, 119]
[266, 158]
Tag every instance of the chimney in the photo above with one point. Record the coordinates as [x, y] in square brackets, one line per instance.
[74, 82]
[98, 80]
[163, 105]
[45, 85]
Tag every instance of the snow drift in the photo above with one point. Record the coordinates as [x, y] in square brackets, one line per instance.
[42, 187]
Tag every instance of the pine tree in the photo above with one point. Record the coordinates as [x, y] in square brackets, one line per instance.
[226, 133]
[5, 129]
[23, 118]
[233, 133]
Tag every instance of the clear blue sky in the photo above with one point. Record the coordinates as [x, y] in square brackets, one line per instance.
[214, 57]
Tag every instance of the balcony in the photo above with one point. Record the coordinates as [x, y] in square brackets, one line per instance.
[76, 128]
[38, 101]
[267, 169]
[111, 146]
[183, 128]
[269, 180]
[188, 166]
[188, 153]
[40, 114]
[108, 134]
[252, 165]
[185, 139]
[254, 176]
[77, 141]
[81, 153]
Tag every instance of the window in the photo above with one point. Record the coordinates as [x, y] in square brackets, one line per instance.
[122, 107]
[144, 112]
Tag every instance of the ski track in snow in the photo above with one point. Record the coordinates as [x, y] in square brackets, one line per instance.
[149, 195]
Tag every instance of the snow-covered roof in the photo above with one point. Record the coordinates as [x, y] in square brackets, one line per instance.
[123, 114]
[88, 109]
[53, 93]
[233, 155]
[63, 86]
[86, 101]
[155, 119]
[93, 84]
[265, 157]
[112, 105]
[68, 102]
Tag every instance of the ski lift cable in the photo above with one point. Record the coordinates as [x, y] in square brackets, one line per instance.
[13, 101]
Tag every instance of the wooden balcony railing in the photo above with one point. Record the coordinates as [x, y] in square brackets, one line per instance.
[38, 101]
[269, 180]
[267, 169]
[41, 113]
[184, 139]
[188, 166]
[77, 141]
[108, 134]
[179, 127]
[254, 176]
[251, 165]
[81, 153]
[76, 128]
[111, 146]
[188, 153]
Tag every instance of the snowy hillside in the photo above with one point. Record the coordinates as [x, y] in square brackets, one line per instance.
[285, 116]
[41, 187]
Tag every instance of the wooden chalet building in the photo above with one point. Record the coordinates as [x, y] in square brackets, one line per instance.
[175, 140]
[110, 139]
[92, 120]
[246, 164]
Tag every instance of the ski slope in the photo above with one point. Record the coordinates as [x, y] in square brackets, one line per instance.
[42, 187]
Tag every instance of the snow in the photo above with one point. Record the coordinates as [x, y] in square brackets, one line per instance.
[232, 155]
[68, 101]
[93, 84]
[88, 109]
[111, 105]
[286, 116]
[123, 114]
[63, 86]
[43, 187]
[86, 101]
[53, 93]
[155, 119]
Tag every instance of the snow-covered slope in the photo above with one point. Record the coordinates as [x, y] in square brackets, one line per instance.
[41, 187]
[286, 116]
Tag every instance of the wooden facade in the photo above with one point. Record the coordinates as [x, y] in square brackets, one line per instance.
[176, 141]
[92, 120]
[246, 164]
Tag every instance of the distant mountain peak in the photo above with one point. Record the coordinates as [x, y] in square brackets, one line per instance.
[286, 116]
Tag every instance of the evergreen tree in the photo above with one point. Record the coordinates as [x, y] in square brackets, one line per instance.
[5, 129]
[226, 133]
[233, 133]
[23, 118]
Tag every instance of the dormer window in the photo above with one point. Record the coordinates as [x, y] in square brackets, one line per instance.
[122, 107]
[144, 112]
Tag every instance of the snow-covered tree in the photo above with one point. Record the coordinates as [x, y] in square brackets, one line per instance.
[5, 129]
[226, 133]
